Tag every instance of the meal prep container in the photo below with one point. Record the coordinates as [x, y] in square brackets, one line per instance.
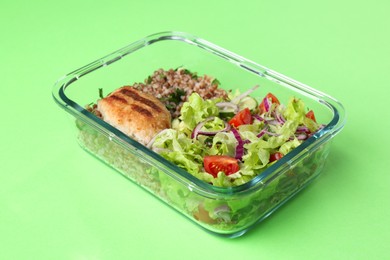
[225, 211]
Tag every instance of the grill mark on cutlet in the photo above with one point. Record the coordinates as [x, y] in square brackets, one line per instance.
[143, 100]
[119, 99]
[141, 110]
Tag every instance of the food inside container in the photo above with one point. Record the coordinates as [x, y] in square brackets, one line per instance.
[224, 138]
[224, 156]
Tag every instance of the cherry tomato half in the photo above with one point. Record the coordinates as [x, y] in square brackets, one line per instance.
[214, 164]
[275, 156]
[244, 117]
[310, 115]
[271, 97]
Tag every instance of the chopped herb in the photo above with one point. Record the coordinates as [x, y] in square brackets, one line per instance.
[170, 106]
[101, 93]
[215, 82]
[149, 80]
[192, 74]
[176, 96]
[186, 71]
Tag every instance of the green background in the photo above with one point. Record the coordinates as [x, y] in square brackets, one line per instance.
[58, 202]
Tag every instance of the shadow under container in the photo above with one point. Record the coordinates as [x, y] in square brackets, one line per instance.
[224, 211]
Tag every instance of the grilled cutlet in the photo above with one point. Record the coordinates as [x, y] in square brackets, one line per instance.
[137, 114]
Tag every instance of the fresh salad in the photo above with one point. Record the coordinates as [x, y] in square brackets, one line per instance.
[228, 142]
[225, 141]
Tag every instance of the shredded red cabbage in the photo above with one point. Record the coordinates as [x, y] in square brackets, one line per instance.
[240, 145]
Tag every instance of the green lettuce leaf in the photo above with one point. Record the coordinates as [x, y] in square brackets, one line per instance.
[295, 110]
[197, 110]
[223, 143]
[179, 149]
[288, 146]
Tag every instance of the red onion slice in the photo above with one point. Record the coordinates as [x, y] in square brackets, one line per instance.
[197, 130]
[246, 93]
[262, 132]
[258, 117]
[267, 104]
[273, 122]
[272, 134]
[302, 129]
[302, 136]
[211, 133]
[223, 212]
[225, 105]
[265, 131]
[279, 117]
[199, 126]
[151, 142]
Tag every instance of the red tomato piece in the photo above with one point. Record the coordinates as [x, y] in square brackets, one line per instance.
[244, 117]
[275, 156]
[270, 97]
[310, 115]
[214, 164]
